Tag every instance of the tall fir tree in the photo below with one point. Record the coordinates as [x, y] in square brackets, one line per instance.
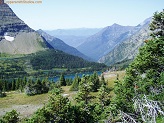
[62, 80]
[75, 84]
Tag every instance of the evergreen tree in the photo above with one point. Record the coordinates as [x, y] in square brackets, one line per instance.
[75, 84]
[17, 83]
[95, 82]
[145, 73]
[13, 85]
[102, 81]
[103, 95]
[85, 87]
[157, 25]
[62, 80]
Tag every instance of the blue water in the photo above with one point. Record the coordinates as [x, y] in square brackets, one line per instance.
[72, 76]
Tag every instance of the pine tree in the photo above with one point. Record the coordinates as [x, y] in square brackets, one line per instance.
[75, 84]
[157, 25]
[13, 85]
[102, 81]
[95, 82]
[103, 95]
[62, 80]
[85, 87]
[17, 83]
[144, 75]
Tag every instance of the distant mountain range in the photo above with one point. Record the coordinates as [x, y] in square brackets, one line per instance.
[103, 45]
[60, 45]
[109, 45]
[104, 41]
[128, 48]
[73, 37]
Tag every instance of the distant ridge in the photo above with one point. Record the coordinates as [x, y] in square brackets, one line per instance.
[60, 45]
[104, 41]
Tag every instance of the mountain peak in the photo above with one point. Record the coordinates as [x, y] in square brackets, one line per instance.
[16, 37]
[115, 25]
[2, 2]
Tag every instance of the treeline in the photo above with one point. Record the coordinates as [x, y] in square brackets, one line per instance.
[49, 59]
[12, 68]
[45, 63]
[28, 86]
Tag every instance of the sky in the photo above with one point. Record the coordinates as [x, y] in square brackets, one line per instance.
[66, 14]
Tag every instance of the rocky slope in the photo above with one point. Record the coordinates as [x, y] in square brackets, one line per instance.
[60, 45]
[128, 49]
[15, 36]
[102, 42]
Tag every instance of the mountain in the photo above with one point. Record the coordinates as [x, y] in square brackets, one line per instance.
[104, 41]
[73, 37]
[76, 31]
[72, 40]
[15, 36]
[60, 45]
[128, 48]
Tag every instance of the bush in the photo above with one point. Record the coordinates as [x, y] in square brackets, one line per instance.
[10, 117]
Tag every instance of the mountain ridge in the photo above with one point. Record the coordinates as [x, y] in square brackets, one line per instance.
[102, 42]
[58, 44]
[129, 48]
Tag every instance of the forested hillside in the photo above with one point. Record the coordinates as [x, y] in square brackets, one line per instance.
[58, 59]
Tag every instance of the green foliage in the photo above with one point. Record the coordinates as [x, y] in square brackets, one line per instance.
[10, 117]
[75, 84]
[103, 95]
[12, 67]
[85, 87]
[157, 25]
[95, 82]
[62, 80]
[58, 110]
[68, 81]
[38, 87]
[60, 59]
[144, 76]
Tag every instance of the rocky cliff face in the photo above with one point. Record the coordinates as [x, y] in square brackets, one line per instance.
[128, 48]
[15, 36]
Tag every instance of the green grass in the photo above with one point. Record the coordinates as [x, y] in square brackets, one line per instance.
[110, 77]
[16, 98]
[113, 77]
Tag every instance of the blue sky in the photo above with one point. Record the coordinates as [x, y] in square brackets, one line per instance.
[60, 14]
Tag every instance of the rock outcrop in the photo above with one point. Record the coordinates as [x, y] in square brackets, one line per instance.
[24, 39]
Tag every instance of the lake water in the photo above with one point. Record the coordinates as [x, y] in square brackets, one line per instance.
[72, 76]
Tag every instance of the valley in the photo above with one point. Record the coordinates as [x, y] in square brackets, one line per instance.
[113, 73]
